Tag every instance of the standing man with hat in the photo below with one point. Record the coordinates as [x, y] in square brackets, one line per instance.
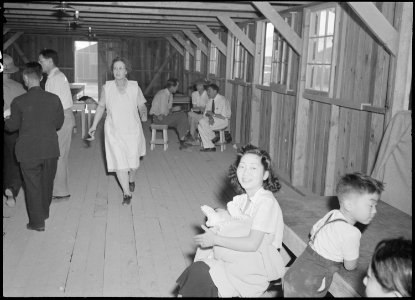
[12, 178]
[58, 84]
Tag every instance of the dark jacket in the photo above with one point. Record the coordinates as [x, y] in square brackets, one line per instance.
[37, 115]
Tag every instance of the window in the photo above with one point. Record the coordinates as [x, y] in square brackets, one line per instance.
[86, 67]
[320, 49]
[187, 58]
[213, 63]
[279, 59]
[269, 40]
[198, 58]
[240, 58]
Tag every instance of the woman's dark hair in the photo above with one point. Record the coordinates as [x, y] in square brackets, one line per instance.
[392, 265]
[271, 183]
[50, 53]
[121, 59]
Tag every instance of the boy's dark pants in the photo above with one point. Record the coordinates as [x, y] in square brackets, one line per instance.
[38, 176]
[305, 276]
[12, 178]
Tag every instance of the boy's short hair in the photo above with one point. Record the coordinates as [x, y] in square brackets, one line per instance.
[358, 183]
[33, 70]
[392, 265]
[50, 53]
[214, 87]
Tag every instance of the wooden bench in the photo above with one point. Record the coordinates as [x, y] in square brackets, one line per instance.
[301, 213]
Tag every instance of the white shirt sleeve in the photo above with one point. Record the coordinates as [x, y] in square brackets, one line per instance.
[265, 218]
[351, 243]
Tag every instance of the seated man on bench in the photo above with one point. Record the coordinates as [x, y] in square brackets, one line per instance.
[161, 109]
[216, 117]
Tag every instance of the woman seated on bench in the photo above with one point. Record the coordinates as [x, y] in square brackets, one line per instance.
[240, 258]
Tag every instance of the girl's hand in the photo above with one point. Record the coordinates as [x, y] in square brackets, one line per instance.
[91, 131]
[206, 239]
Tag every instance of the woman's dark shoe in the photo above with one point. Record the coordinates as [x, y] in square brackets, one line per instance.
[132, 186]
[37, 228]
[126, 199]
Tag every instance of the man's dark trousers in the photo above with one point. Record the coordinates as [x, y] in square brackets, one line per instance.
[38, 176]
[12, 178]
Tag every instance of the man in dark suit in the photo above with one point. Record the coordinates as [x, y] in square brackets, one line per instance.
[37, 115]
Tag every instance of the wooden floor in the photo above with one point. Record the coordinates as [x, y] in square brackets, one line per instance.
[94, 246]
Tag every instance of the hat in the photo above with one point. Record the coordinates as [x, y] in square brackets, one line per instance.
[8, 65]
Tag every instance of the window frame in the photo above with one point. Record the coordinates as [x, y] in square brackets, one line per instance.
[213, 48]
[242, 54]
[334, 49]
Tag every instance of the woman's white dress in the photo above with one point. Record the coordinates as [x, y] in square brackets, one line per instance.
[124, 137]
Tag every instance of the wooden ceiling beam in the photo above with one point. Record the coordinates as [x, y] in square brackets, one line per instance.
[175, 45]
[12, 39]
[196, 41]
[103, 7]
[181, 40]
[213, 38]
[6, 30]
[376, 22]
[280, 25]
[110, 16]
[240, 35]
[204, 6]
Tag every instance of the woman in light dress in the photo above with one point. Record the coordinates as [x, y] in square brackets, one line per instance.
[124, 138]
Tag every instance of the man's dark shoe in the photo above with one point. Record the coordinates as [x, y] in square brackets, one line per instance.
[208, 149]
[183, 145]
[38, 228]
[215, 140]
[60, 197]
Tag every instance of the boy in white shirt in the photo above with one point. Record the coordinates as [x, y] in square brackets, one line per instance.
[334, 238]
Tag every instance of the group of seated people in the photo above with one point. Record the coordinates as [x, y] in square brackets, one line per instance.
[238, 255]
[210, 112]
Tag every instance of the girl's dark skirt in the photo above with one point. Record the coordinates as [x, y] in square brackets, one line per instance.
[195, 281]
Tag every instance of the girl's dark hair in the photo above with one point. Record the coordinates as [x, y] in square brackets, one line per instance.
[392, 265]
[271, 183]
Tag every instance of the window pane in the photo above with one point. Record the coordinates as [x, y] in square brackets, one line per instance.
[322, 25]
[329, 50]
[330, 25]
[317, 77]
[313, 24]
[269, 40]
[320, 50]
[326, 78]
[309, 77]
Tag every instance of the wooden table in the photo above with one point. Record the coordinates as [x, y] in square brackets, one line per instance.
[82, 105]
[301, 213]
[181, 100]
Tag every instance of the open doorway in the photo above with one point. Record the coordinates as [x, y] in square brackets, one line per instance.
[86, 67]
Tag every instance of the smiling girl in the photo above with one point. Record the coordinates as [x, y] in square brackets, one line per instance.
[242, 266]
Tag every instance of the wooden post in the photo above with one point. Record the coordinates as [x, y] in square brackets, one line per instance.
[240, 35]
[301, 114]
[12, 40]
[340, 37]
[403, 66]
[256, 93]
[20, 52]
[158, 74]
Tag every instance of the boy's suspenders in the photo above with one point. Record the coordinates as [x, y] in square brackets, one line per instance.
[325, 223]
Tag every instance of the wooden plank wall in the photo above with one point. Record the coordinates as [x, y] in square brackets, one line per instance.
[146, 56]
[277, 115]
[363, 80]
[220, 77]
[31, 45]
